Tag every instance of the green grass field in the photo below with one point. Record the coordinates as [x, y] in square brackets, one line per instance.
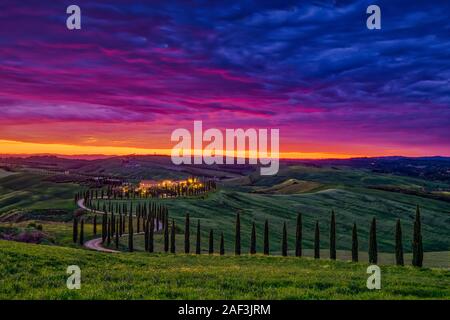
[39, 272]
[26, 191]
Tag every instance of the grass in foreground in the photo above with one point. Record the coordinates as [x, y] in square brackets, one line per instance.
[39, 272]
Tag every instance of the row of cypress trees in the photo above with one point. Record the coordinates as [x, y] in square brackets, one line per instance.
[111, 228]
[114, 225]
[373, 246]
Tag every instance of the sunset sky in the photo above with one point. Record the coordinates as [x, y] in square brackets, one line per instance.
[136, 72]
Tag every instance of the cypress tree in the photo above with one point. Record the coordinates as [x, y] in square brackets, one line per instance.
[198, 242]
[108, 231]
[95, 224]
[187, 234]
[130, 232]
[373, 249]
[222, 245]
[138, 222]
[157, 216]
[117, 235]
[284, 242]
[82, 231]
[398, 244]
[317, 241]
[113, 225]
[75, 230]
[166, 237]
[237, 248]
[333, 236]
[266, 237]
[417, 244]
[211, 242]
[172, 237]
[298, 236]
[104, 225]
[150, 236]
[355, 243]
[253, 240]
[146, 233]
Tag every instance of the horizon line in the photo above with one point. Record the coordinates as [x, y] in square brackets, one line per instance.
[13, 148]
[105, 156]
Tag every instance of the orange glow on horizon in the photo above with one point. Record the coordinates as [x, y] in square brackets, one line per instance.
[9, 147]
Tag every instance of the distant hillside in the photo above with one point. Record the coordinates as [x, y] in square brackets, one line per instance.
[132, 168]
[431, 168]
[291, 186]
[158, 167]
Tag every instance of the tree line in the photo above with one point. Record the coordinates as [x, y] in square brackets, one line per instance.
[128, 192]
[151, 218]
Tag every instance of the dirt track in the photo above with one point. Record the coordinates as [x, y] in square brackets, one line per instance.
[96, 244]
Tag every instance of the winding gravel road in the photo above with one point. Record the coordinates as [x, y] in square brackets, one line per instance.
[96, 244]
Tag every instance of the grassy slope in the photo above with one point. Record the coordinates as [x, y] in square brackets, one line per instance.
[343, 176]
[39, 272]
[4, 173]
[218, 212]
[31, 191]
[345, 190]
[292, 186]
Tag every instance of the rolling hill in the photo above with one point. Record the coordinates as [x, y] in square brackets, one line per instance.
[39, 272]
